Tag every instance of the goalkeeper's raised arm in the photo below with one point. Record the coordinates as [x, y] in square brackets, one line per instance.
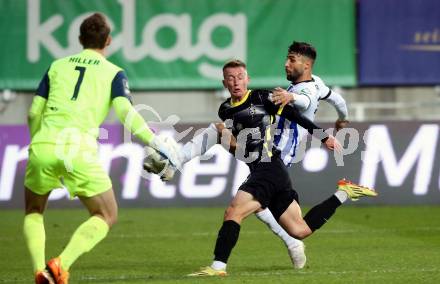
[134, 123]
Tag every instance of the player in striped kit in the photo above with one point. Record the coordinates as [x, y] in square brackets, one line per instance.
[248, 114]
[305, 92]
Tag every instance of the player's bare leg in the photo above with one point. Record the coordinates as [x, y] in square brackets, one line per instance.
[102, 205]
[292, 221]
[229, 142]
[241, 206]
[298, 227]
[316, 217]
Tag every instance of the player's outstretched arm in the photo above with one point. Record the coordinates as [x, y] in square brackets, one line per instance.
[341, 123]
[338, 102]
[282, 97]
[38, 104]
[134, 123]
[333, 144]
[132, 120]
[35, 114]
[293, 114]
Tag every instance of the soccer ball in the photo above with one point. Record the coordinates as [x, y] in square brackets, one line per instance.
[157, 163]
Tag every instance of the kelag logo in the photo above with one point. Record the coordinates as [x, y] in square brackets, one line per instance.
[191, 44]
[178, 44]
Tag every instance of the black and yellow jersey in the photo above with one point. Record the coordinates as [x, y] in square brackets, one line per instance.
[251, 123]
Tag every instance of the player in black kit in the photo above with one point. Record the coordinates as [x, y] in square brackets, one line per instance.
[248, 115]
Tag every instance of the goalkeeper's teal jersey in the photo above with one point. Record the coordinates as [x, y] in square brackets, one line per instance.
[79, 90]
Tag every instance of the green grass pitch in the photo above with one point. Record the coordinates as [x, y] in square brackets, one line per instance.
[358, 245]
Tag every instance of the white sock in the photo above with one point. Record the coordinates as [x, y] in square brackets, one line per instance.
[200, 143]
[218, 265]
[341, 195]
[266, 217]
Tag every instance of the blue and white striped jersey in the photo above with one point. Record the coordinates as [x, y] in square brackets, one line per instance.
[288, 134]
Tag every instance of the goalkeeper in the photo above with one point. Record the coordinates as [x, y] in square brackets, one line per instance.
[72, 100]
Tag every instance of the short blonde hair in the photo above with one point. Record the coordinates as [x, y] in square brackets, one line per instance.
[234, 63]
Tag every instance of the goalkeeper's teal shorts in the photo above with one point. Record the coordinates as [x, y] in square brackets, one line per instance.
[79, 170]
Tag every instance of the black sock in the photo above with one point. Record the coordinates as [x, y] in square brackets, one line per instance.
[226, 240]
[318, 215]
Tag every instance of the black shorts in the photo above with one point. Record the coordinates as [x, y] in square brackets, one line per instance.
[269, 183]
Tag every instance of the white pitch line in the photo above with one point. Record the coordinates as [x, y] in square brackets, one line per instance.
[314, 272]
[247, 274]
[248, 232]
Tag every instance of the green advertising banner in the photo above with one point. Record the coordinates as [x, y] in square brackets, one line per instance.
[181, 44]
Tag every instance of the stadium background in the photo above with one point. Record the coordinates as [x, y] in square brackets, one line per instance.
[382, 55]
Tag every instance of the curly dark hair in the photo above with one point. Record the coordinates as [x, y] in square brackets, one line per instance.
[303, 48]
[94, 31]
